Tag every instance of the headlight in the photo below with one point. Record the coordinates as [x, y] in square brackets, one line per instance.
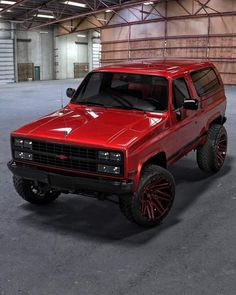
[23, 156]
[115, 157]
[108, 169]
[28, 144]
[19, 142]
[103, 155]
[23, 143]
[112, 156]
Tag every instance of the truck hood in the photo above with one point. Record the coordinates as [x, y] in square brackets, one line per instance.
[92, 126]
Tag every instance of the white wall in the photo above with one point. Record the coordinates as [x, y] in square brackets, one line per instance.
[54, 55]
[38, 51]
[5, 32]
[67, 53]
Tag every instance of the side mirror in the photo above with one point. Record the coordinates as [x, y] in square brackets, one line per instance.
[190, 104]
[70, 92]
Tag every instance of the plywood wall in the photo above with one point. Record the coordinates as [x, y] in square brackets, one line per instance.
[180, 35]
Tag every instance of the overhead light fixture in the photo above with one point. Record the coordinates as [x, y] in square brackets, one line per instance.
[1, 9]
[69, 27]
[44, 16]
[43, 32]
[101, 19]
[17, 21]
[78, 4]
[108, 10]
[81, 36]
[7, 2]
[148, 3]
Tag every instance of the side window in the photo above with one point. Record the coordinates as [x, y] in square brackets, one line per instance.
[180, 92]
[205, 81]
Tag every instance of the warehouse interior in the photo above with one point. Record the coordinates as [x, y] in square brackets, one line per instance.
[80, 245]
[36, 44]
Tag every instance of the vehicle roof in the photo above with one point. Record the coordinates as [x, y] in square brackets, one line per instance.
[164, 67]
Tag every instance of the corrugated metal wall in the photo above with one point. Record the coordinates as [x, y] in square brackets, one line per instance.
[183, 32]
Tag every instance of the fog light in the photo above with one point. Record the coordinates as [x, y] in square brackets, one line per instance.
[108, 169]
[23, 156]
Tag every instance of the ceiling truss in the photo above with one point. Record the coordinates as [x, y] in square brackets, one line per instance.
[100, 13]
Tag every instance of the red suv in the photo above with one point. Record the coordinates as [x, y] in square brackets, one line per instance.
[124, 125]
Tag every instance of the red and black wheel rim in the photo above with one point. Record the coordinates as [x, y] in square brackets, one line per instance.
[221, 150]
[156, 199]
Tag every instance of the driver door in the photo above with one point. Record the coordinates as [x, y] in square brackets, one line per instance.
[184, 123]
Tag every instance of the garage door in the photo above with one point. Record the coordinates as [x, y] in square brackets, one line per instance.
[96, 55]
[6, 61]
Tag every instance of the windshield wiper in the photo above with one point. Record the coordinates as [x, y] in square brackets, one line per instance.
[126, 108]
[90, 103]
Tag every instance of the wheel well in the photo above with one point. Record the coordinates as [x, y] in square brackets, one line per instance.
[219, 120]
[159, 159]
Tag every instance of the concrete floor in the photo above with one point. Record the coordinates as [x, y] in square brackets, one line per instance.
[83, 246]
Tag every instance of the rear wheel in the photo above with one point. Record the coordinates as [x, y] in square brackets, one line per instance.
[35, 194]
[153, 200]
[211, 155]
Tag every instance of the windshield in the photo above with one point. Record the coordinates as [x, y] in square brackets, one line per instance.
[124, 91]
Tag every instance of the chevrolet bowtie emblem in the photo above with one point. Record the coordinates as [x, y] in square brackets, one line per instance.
[62, 157]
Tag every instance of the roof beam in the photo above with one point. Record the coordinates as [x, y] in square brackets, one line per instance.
[170, 18]
[84, 14]
[202, 6]
[13, 5]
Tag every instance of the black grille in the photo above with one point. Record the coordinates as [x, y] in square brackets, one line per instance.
[67, 150]
[66, 156]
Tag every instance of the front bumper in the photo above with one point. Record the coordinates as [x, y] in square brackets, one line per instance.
[71, 183]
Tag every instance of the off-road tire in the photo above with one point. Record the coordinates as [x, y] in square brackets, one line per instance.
[211, 155]
[130, 205]
[25, 188]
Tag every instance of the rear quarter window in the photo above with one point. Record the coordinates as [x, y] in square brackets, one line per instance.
[205, 81]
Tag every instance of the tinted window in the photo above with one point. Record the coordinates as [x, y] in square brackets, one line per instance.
[94, 86]
[124, 90]
[205, 81]
[180, 92]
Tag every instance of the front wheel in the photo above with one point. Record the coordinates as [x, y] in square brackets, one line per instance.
[153, 200]
[39, 195]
